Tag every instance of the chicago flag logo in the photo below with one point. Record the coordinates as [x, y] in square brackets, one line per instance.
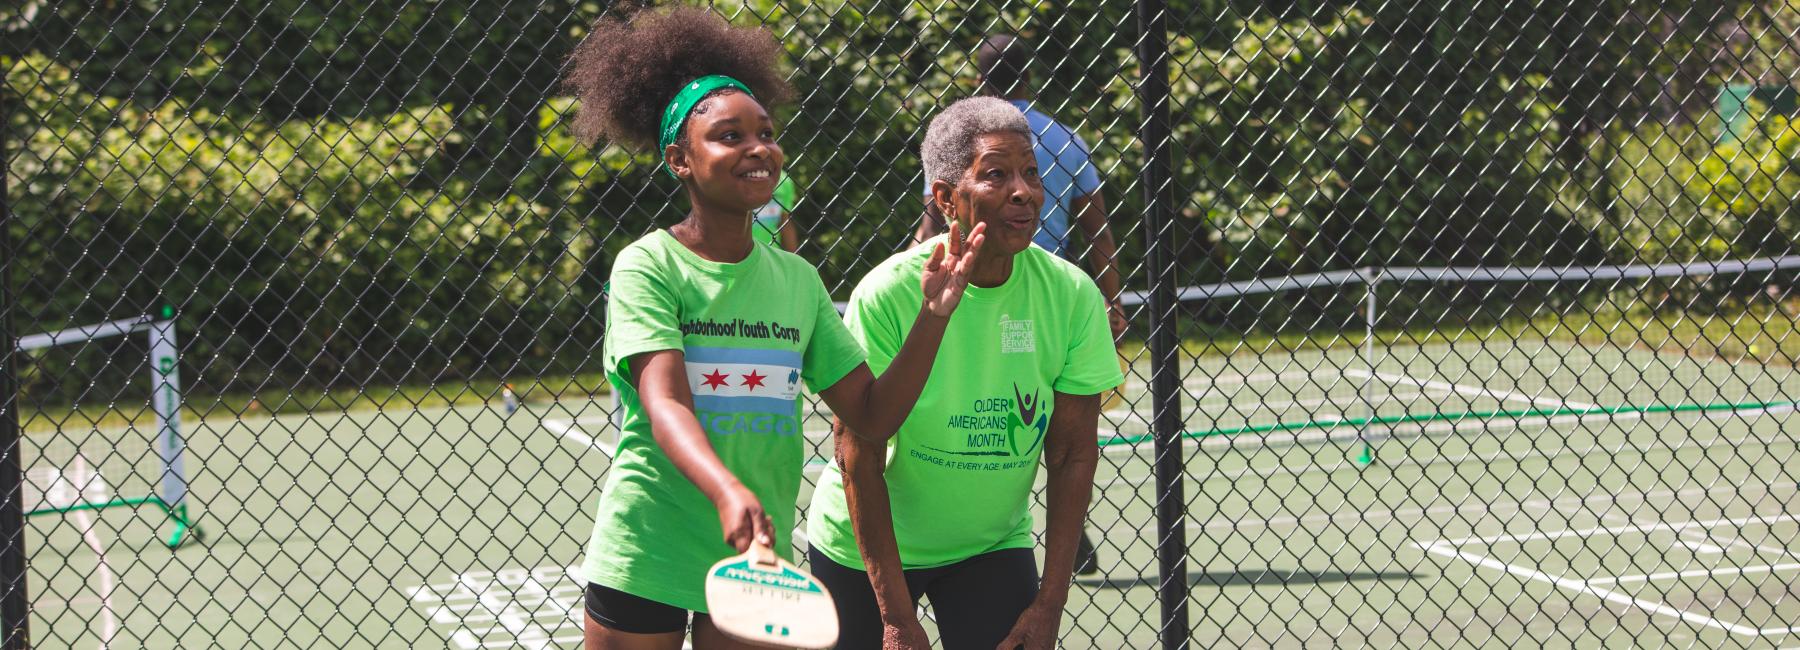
[740, 380]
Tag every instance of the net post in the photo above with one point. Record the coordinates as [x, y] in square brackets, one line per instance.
[14, 594]
[1371, 277]
[1159, 200]
[166, 404]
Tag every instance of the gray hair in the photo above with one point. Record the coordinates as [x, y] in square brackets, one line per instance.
[949, 146]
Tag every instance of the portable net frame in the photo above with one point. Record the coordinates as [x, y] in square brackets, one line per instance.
[101, 459]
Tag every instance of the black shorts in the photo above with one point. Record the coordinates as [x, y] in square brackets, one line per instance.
[627, 613]
[976, 601]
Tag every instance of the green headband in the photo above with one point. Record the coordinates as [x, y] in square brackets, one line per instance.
[691, 94]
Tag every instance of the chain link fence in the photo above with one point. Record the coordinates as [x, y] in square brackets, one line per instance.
[1457, 324]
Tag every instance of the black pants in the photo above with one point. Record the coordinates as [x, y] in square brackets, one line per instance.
[976, 601]
[635, 614]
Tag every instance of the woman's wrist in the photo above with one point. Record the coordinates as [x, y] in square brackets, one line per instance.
[1053, 596]
[928, 322]
[898, 616]
[727, 492]
[892, 599]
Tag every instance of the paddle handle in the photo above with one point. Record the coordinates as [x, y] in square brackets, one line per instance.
[761, 554]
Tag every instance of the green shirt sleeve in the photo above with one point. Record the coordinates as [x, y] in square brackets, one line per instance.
[1089, 368]
[873, 325]
[832, 352]
[641, 310]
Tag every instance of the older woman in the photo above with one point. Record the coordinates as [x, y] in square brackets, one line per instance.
[942, 509]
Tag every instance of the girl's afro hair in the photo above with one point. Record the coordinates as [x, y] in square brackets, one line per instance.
[630, 66]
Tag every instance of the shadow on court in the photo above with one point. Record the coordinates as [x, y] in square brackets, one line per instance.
[1265, 577]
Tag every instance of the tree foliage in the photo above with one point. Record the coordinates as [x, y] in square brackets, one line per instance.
[346, 193]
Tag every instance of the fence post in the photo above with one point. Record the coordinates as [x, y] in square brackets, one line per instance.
[14, 603]
[1171, 503]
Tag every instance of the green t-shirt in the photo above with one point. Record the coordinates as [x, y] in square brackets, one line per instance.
[750, 332]
[766, 221]
[960, 470]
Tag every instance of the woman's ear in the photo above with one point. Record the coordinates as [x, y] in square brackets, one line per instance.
[676, 158]
[943, 196]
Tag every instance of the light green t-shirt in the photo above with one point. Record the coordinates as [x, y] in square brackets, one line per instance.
[750, 332]
[766, 221]
[960, 470]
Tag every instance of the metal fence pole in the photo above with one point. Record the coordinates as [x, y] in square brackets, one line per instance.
[14, 605]
[1171, 503]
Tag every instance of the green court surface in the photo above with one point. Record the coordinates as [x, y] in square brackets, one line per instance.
[1465, 494]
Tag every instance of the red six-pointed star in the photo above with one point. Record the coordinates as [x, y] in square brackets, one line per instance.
[753, 380]
[714, 380]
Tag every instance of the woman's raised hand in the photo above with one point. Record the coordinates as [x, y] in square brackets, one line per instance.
[947, 271]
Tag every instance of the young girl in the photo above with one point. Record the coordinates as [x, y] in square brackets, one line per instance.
[708, 335]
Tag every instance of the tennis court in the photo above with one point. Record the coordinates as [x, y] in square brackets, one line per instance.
[1532, 480]
[1294, 540]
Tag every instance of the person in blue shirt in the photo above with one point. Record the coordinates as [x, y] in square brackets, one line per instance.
[1071, 195]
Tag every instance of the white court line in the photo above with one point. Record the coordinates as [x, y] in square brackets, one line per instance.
[1701, 541]
[560, 641]
[1704, 538]
[1137, 482]
[1239, 379]
[1696, 573]
[1479, 507]
[1738, 542]
[1441, 548]
[109, 621]
[1477, 391]
[1355, 433]
[1352, 433]
[1324, 433]
[1267, 406]
[571, 430]
[1683, 537]
[498, 620]
[1133, 385]
[1615, 530]
[511, 604]
[1699, 547]
[1238, 396]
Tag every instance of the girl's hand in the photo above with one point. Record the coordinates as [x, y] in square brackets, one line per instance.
[947, 272]
[742, 517]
